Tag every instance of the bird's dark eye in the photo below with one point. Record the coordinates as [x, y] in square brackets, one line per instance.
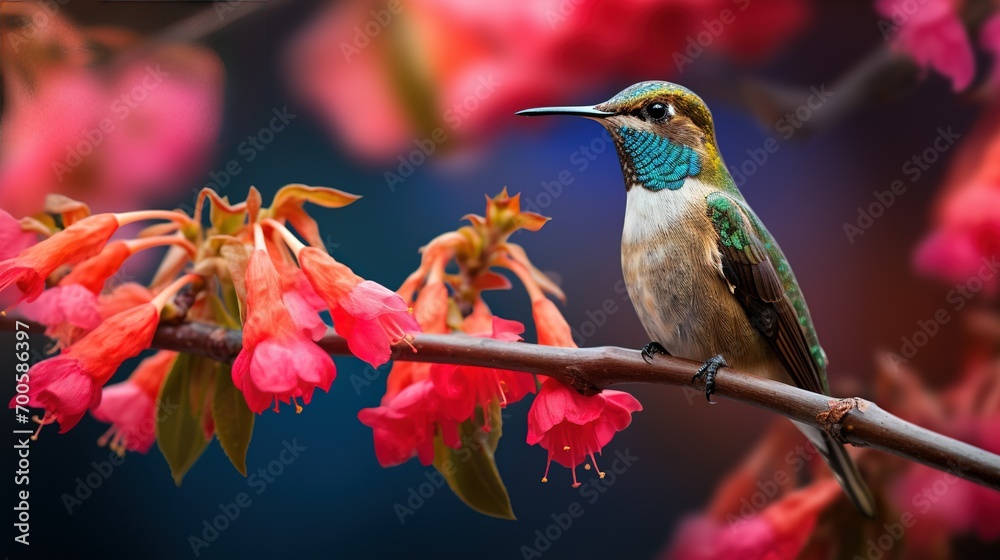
[656, 111]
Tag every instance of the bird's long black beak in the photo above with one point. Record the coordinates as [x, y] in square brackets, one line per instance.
[582, 111]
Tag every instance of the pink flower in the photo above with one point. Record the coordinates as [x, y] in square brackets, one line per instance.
[66, 311]
[130, 406]
[370, 316]
[462, 388]
[934, 37]
[781, 530]
[278, 363]
[573, 427]
[23, 277]
[13, 239]
[405, 424]
[119, 133]
[302, 302]
[70, 383]
[965, 240]
[167, 138]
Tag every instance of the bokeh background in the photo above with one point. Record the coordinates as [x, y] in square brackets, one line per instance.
[350, 129]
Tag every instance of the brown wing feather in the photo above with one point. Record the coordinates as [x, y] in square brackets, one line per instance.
[758, 288]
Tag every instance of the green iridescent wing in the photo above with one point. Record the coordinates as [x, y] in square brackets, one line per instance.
[764, 285]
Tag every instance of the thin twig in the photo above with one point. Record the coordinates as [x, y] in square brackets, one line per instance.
[853, 420]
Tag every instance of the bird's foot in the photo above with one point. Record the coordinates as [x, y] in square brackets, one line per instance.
[653, 348]
[708, 371]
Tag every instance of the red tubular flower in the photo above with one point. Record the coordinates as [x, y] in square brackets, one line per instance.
[123, 297]
[462, 388]
[70, 383]
[278, 362]
[130, 406]
[13, 239]
[23, 277]
[404, 426]
[572, 427]
[550, 324]
[370, 316]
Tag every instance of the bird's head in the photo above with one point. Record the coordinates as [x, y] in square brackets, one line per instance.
[663, 133]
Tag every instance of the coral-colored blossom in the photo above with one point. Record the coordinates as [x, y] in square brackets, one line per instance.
[130, 406]
[70, 383]
[550, 324]
[572, 427]
[278, 363]
[123, 297]
[23, 277]
[405, 424]
[781, 530]
[462, 388]
[370, 316]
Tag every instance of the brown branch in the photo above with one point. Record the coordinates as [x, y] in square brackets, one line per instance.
[852, 420]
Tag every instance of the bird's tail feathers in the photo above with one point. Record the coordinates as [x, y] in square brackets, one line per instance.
[843, 467]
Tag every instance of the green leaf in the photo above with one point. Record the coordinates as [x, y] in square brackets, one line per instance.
[471, 470]
[179, 432]
[233, 419]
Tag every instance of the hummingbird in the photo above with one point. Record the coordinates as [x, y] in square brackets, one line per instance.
[708, 281]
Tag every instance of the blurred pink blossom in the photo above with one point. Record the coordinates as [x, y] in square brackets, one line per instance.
[387, 75]
[101, 132]
[934, 36]
[964, 243]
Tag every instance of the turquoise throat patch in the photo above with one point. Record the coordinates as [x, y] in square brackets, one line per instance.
[659, 163]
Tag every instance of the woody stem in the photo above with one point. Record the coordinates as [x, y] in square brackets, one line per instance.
[853, 420]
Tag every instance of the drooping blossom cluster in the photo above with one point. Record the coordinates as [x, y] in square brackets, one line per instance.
[244, 269]
[98, 113]
[427, 401]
